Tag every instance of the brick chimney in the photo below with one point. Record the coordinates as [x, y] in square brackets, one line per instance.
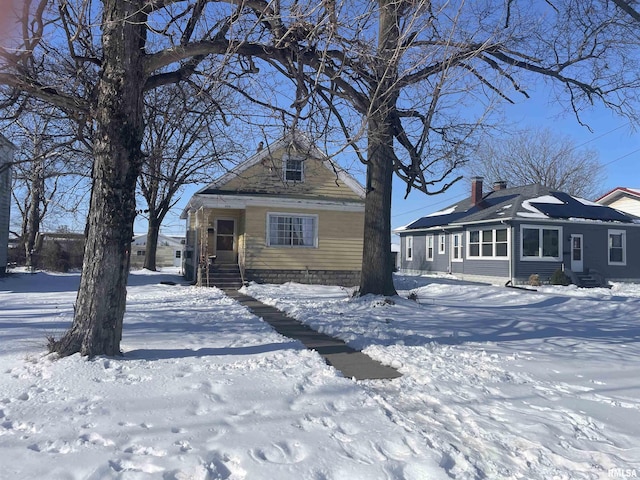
[476, 190]
[499, 185]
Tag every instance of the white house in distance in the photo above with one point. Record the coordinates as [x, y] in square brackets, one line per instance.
[622, 198]
[6, 156]
[169, 252]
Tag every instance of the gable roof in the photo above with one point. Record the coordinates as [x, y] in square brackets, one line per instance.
[300, 142]
[520, 203]
[619, 192]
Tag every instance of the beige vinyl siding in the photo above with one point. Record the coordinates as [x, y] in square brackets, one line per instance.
[627, 204]
[267, 177]
[339, 242]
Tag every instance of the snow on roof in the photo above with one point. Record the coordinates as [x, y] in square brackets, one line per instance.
[533, 212]
[588, 202]
[446, 211]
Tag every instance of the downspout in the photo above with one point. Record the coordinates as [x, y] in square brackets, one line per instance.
[450, 263]
[511, 250]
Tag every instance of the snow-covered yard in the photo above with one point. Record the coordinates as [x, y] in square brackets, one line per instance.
[497, 383]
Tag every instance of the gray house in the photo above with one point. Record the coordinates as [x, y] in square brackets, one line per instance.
[509, 234]
[6, 156]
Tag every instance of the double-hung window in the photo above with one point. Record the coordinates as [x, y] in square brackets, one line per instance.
[409, 248]
[441, 244]
[429, 247]
[540, 243]
[293, 169]
[292, 230]
[456, 247]
[488, 243]
[617, 247]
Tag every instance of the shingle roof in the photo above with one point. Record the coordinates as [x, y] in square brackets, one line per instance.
[529, 201]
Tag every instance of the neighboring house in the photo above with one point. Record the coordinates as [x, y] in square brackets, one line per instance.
[6, 157]
[169, 252]
[510, 234]
[624, 199]
[285, 214]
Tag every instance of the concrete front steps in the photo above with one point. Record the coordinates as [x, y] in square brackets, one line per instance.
[225, 276]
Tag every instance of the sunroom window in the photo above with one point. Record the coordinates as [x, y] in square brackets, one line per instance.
[488, 243]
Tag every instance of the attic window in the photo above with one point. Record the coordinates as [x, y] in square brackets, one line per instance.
[293, 169]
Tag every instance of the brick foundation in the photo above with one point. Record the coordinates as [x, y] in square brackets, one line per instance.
[343, 278]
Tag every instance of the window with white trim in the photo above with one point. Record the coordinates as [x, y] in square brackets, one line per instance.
[292, 230]
[540, 243]
[293, 169]
[456, 247]
[429, 247]
[441, 244]
[409, 248]
[617, 247]
[488, 243]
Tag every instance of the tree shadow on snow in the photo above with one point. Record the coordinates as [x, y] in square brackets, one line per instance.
[175, 353]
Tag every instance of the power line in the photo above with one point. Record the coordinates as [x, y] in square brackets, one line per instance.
[449, 199]
[621, 157]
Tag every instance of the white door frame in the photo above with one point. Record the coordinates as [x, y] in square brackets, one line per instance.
[234, 249]
[577, 252]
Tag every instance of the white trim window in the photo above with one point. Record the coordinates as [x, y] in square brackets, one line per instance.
[442, 241]
[409, 248]
[456, 247]
[293, 169]
[488, 243]
[617, 246]
[540, 243]
[292, 230]
[429, 247]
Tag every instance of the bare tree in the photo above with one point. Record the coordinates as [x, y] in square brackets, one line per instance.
[50, 169]
[540, 155]
[183, 144]
[404, 77]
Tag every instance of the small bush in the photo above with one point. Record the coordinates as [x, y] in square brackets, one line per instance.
[534, 280]
[559, 278]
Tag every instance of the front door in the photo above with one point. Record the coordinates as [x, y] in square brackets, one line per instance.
[225, 241]
[576, 253]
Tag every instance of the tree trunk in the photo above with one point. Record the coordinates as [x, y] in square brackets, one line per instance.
[101, 301]
[32, 224]
[152, 243]
[377, 265]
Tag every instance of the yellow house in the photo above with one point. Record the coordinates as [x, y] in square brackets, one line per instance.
[286, 214]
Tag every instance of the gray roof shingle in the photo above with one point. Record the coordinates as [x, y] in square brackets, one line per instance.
[528, 201]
